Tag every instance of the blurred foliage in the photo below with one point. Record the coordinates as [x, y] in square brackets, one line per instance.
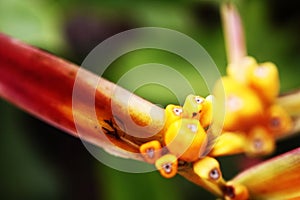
[36, 22]
[40, 162]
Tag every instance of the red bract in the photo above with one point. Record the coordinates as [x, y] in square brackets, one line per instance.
[42, 84]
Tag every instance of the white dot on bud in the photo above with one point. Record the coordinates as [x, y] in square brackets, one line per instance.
[177, 111]
[214, 174]
[192, 127]
[234, 103]
[167, 168]
[261, 72]
[199, 99]
[150, 152]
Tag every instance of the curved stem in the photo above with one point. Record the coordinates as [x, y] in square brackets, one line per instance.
[233, 33]
[43, 84]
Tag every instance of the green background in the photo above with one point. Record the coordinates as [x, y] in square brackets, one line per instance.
[38, 161]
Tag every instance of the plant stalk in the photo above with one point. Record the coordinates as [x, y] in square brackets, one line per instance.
[233, 33]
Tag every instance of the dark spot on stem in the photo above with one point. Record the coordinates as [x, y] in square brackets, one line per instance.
[113, 132]
[229, 191]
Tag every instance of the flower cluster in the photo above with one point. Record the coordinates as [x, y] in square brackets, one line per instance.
[251, 122]
[184, 136]
[251, 112]
[186, 140]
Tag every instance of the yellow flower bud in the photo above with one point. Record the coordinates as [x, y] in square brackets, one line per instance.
[242, 106]
[167, 165]
[240, 71]
[151, 151]
[208, 168]
[186, 139]
[264, 80]
[278, 120]
[172, 113]
[259, 142]
[207, 112]
[193, 106]
[229, 143]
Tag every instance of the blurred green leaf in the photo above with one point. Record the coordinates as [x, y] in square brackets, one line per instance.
[24, 173]
[147, 186]
[37, 22]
